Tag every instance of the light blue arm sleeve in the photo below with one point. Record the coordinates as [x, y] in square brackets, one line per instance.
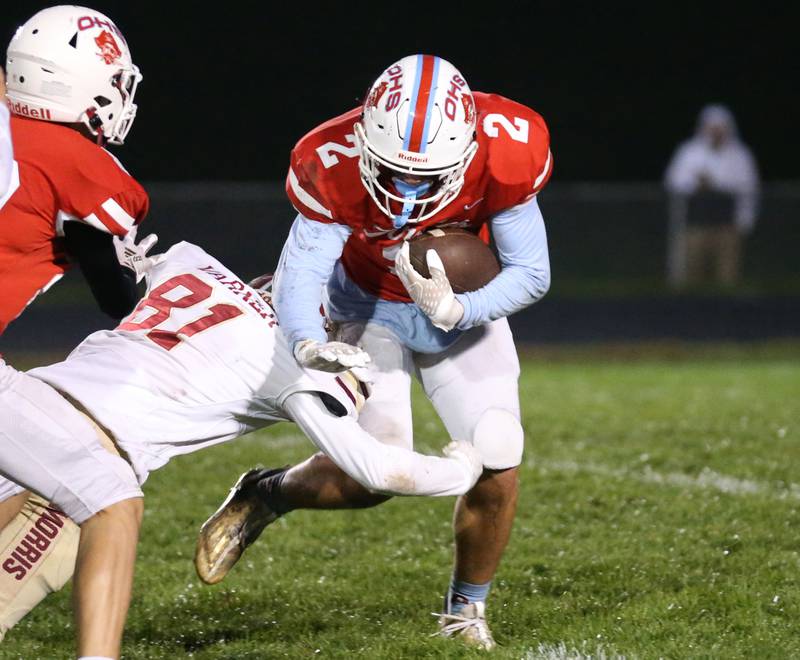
[306, 263]
[521, 240]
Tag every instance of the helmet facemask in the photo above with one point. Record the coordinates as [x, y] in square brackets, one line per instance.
[111, 121]
[400, 202]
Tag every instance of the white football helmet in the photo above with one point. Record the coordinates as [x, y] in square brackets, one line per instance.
[71, 64]
[416, 137]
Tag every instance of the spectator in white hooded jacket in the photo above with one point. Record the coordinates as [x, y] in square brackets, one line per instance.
[713, 186]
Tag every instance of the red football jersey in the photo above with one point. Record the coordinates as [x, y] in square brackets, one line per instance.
[512, 163]
[59, 176]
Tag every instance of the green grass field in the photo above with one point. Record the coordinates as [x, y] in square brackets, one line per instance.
[659, 517]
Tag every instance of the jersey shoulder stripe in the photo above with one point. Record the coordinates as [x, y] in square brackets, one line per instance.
[303, 201]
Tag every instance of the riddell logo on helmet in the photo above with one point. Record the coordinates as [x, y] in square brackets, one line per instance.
[34, 113]
[412, 158]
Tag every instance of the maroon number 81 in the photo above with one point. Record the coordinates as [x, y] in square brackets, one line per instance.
[198, 292]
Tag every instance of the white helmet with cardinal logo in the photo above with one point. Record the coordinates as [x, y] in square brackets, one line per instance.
[71, 64]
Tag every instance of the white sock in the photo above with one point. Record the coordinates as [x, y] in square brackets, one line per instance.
[95, 657]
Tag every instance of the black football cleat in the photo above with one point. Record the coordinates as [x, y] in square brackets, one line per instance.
[235, 525]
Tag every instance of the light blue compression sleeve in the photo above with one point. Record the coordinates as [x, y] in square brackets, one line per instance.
[307, 260]
[521, 240]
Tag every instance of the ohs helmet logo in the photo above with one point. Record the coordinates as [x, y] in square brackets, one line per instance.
[89, 22]
[375, 96]
[395, 74]
[454, 94]
[109, 50]
[469, 108]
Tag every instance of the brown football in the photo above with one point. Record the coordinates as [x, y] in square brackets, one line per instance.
[468, 261]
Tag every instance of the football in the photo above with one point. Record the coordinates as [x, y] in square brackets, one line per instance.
[468, 261]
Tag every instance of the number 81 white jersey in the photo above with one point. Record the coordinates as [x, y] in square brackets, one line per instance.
[199, 361]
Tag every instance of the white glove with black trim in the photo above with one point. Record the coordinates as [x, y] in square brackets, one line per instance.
[433, 295]
[333, 356]
[465, 453]
[134, 255]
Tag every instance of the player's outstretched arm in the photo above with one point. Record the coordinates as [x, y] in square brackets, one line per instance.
[383, 468]
[307, 260]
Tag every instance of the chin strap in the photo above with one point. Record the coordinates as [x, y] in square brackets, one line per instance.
[411, 193]
[96, 124]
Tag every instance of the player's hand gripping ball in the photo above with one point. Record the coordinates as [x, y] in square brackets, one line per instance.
[469, 262]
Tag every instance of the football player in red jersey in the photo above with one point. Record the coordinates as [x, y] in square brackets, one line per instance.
[66, 200]
[423, 150]
[69, 77]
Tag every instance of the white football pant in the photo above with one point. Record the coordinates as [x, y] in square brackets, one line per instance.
[50, 448]
[473, 385]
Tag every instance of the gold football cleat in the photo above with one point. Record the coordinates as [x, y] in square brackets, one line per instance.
[235, 525]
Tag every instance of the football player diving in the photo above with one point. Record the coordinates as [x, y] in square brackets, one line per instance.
[200, 361]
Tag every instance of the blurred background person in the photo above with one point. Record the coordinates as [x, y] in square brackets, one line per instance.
[713, 185]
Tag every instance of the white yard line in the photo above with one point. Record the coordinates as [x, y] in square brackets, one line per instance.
[707, 479]
[560, 651]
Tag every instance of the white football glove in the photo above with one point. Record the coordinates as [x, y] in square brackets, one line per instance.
[331, 356]
[434, 295]
[466, 454]
[134, 255]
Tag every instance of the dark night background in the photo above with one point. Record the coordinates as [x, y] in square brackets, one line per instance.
[229, 88]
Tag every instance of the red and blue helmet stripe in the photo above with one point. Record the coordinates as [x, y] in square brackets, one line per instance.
[419, 111]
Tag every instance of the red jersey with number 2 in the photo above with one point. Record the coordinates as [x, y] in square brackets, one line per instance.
[513, 162]
[59, 176]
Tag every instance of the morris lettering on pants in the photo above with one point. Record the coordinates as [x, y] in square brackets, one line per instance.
[34, 544]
